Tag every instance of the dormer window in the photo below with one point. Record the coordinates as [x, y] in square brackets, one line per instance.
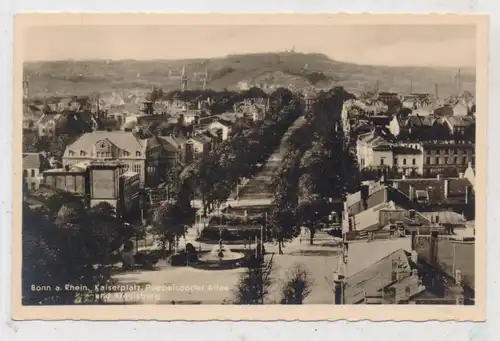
[82, 153]
[71, 153]
[138, 154]
[125, 153]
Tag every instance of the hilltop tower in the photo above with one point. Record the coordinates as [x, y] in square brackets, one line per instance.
[184, 78]
[25, 88]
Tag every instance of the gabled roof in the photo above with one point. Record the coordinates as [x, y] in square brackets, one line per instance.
[202, 139]
[169, 143]
[122, 139]
[375, 278]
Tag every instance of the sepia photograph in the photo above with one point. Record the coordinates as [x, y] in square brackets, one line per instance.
[247, 162]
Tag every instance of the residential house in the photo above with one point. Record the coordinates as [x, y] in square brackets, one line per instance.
[197, 146]
[374, 151]
[412, 126]
[172, 150]
[31, 170]
[401, 277]
[224, 128]
[47, 124]
[408, 159]
[140, 154]
[461, 126]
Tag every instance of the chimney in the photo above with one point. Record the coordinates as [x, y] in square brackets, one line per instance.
[411, 214]
[411, 193]
[446, 189]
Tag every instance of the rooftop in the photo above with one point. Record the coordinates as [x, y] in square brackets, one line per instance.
[373, 279]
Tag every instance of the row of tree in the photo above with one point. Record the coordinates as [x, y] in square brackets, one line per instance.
[318, 171]
[213, 177]
[66, 246]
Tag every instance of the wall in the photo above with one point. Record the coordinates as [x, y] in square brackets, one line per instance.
[104, 185]
[386, 156]
[448, 157]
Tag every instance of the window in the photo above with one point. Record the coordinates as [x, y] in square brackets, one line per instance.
[445, 160]
[137, 153]
[125, 153]
[25, 173]
[455, 160]
[137, 168]
[71, 153]
[428, 160]
[32, 173]
[108, 154]
[362, 162]
[33, 186]
[404, 161]
[414, 161]
[82, 153]
[395, 161]
[382, 161]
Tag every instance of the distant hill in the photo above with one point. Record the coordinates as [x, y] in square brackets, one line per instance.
[231, 72]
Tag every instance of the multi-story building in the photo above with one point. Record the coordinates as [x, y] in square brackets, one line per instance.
[427, 158]
[139, 154]
[31, 170]
[447, 157]
[99, 181]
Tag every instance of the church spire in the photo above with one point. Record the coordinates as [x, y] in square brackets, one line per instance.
[205, 80]
[184, 78]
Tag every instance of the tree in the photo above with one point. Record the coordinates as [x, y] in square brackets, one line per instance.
[297, 285]
[168, 224]
[62, 248]
[253, 286]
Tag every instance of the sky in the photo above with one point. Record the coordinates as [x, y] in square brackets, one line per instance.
[392, 45]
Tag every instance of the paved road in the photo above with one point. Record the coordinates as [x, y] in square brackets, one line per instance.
[260, 186]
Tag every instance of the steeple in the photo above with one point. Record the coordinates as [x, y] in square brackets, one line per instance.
[205, 80]
[184, 78]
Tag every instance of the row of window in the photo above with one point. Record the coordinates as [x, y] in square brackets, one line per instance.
[25, 173]
[451, 151]
[446, 160]
[102, 154]
[413, 161]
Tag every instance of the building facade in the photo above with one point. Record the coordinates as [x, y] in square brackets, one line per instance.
[138, 154]
[31, 171]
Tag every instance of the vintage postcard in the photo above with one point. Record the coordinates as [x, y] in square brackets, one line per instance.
[199, 167]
